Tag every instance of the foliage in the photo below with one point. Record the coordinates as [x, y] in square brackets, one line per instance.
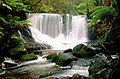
[12, 19]
[104, 19]
[60, 6]
[100, 13]
[85, 6]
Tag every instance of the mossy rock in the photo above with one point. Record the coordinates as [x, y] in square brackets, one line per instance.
[82, 51]
[28, 57]
[64, 59]
[105, 68]
[100, 63]
[67, 51]
[52, 57]
[17, 52]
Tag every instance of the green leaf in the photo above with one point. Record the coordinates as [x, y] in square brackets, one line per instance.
[7, 6]
[100, 12]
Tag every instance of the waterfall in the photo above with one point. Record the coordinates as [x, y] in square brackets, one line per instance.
[49, 24]
[79, 29]
[50, 28]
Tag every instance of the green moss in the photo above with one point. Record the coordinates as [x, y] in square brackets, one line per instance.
[17, 50]
[60, 59]
[52, 57]
[82, 51]
[28, 57]
[45, 75]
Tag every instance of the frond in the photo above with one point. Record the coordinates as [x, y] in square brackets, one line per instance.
[100, 12]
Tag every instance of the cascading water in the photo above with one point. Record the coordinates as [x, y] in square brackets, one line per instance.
[49, 28]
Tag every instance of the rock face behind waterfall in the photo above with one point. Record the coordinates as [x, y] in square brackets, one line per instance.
[30, 44]
[35, 46]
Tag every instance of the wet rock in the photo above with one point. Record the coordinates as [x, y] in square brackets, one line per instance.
[64, 59]
[81, 62]
[25, 34]
[99, 64]
[8, 63]
[52, 57]
[105, 68]
[28, 57]
[77, 76]
[67, 51]
[82, 51]
[65, 77]
[35, 46]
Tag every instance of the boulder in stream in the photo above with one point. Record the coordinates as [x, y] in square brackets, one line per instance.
[62, 59]
[105, 68]
[82, 50]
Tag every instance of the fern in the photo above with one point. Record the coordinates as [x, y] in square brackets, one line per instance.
[10, 4]
[100, 12]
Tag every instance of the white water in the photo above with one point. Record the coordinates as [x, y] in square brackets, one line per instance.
[48, 28]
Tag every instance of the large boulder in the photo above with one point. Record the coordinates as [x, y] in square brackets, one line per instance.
[82, 50]
[62, 59]
[67, 51]
[105, 68]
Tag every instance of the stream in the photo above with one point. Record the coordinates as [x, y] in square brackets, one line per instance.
[32, 69]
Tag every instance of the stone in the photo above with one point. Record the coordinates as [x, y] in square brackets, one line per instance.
[17, 52]
[105, 68]
[67, 51]
[28, 57]
[33, 46]
[8, 63]
[82, 51]
[64, 59]
[77, 76]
